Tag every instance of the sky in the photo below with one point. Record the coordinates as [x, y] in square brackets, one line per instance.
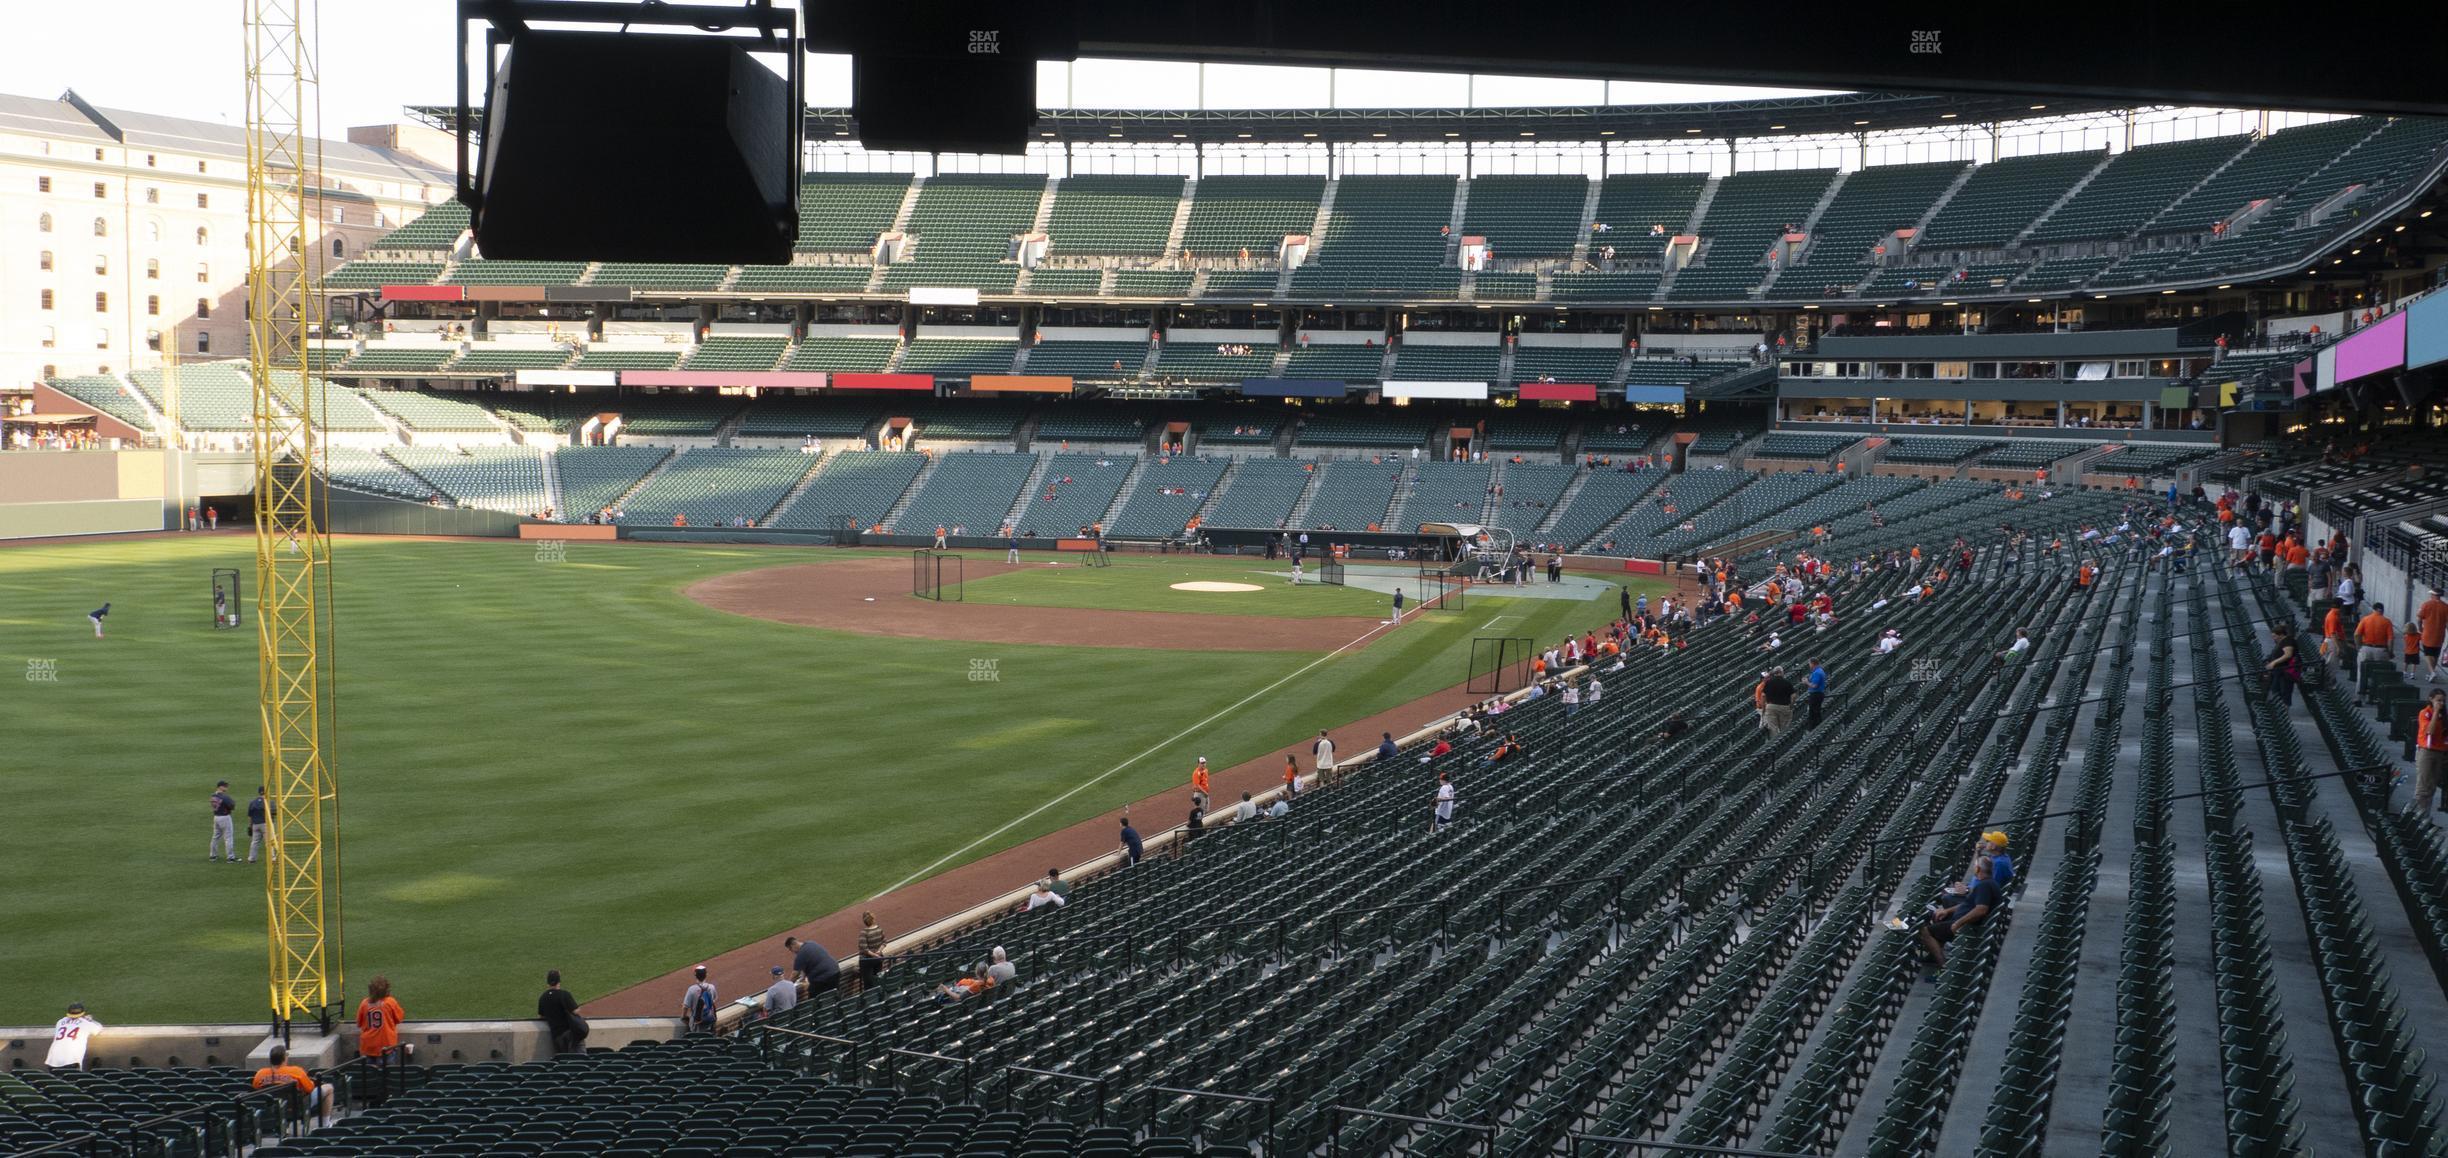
[183, 58]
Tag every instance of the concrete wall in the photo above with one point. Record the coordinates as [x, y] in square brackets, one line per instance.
[437, 1042]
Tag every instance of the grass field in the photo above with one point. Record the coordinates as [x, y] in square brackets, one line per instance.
[570, 765]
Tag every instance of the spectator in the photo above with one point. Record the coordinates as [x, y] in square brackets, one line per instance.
[1132, 851]
[2374, 632]
[70, 1038]
[871, 949]
[1291, 775]
[1054, 881]
[1280, 809]
[1443, 814]
[782, 995]
[2432, 619]
[1324, 751]
[1199, 783]
[1817, 681]
[1385, 746]
[1192, 829]
[1776, 702]
[964, 988]
[1675, 726]
[378, 1022]
[1572, 700]
[697, 1002]
[2285, 667]
[1043, 897]
[812, 965]
[1246, 810]
[1968, 906]
[2019, 650]
[312, 1098]
[559, 1012]
[2430, 751]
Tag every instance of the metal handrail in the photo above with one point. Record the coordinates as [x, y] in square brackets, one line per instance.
[968, 1067]
[1266, 1147]
[1097, 1081]
[1335, 1115]
[1574, 1138]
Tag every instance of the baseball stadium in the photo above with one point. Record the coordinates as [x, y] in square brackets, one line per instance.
[1895, 615]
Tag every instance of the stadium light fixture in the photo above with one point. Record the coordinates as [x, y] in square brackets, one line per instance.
[2167, 291]
[2226, 287]
[2097, 296]
[1858, 124]
[2032, 300]
[2037, 108]
[1945, 303]
[1654, 309]
[1243, 136]
[1376, 134]
[1774, 127]
[1691, 130]
[1946, 116]
[2355, 252]
[1812, 306]
[1449, 134]
[695, 93]
[2400, 229]
[1529, 133]
[2424, 213]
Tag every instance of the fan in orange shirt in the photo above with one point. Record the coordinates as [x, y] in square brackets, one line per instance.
[1198, 780]
[316, 1098]
[2432, 620]
[378, 1019]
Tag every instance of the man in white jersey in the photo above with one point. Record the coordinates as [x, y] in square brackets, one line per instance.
[71, 1037]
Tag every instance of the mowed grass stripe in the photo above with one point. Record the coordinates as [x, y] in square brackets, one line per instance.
[566, 765]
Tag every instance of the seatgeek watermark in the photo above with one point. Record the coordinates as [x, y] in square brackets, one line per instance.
[42, 671]
[985, 671]
[552, 551]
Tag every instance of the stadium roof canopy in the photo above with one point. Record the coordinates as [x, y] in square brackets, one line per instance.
[1839, 113]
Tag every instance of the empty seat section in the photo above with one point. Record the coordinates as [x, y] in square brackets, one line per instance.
[437, 229]
[1230, 214]
[1076, 491]
[1748, 214]
[593, 477]
[691, 414]
[660, 276]
[969, 489]
[1152, 283]
[811, 417]
[1199, 362]
[972, 422]
[1791, 444]
[1524, 428]
[495, 478]
[1447, 492]
[540, 273]
[428, 411]
[1385, 238]
[1603, 498]
[711, 486]
[1242, 426]
[1078, 421]
[1531, 492]
[1863, 216]
[2001, 198]
[1589, 365]
[959, 357]
[803, 279]
[746, 352]
[1352, 495]
[1391, 430]
[2137, 184]
[1350, 362]
[852, 488]
[962, 226]
[106, 393]
[1170, 491]
[1630, 205]
[841, 212]
[367, 470]
[629, 358]
[1095, 361]
[375, 274]
[1261, 493]
[498, 358]
[1119, 215]
[398, 361]
[1423, 362]
[842, 355]
[1919, 450]
[1526, 215]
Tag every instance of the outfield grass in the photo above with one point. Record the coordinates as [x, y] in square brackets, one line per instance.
[568, 764]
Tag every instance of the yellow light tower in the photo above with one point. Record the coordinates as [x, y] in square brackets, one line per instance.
[292, 547]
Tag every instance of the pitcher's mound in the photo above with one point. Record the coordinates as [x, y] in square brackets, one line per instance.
[1205, 585]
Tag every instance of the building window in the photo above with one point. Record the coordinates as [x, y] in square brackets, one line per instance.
[203, 200]
[101, 339]
[203, 236]
[101, 190]
[339, 247]
[102, 302]
[98, 154]
[199, 166]
[204, 273]
[101, 227]
[152, 195]
[153, 340]
[203, 342]
[50, 337]
[203, 307]
[153, 232]
[101, 265]
[46, 261]
[46, 299]
[152, 269]
[151, 160]
[43, 224]
[42, 184]
[50, 369]
[153, 305]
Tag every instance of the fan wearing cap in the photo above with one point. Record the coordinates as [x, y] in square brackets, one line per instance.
[697, 1004]
[70, 1038]
[782, 994]
[1199, 783]
[317, 1099]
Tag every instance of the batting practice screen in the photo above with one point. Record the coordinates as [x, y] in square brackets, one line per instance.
[935, 575]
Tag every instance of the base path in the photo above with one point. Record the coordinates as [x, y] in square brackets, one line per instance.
[745, 970]
[835, 596]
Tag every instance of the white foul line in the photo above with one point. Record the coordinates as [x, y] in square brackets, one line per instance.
[1024, 817]
[1497, 620]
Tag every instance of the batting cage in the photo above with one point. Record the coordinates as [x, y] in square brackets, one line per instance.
[226, 599]
[1442, 590]
[1498, 664]
[1330, 569]
[935, 575]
